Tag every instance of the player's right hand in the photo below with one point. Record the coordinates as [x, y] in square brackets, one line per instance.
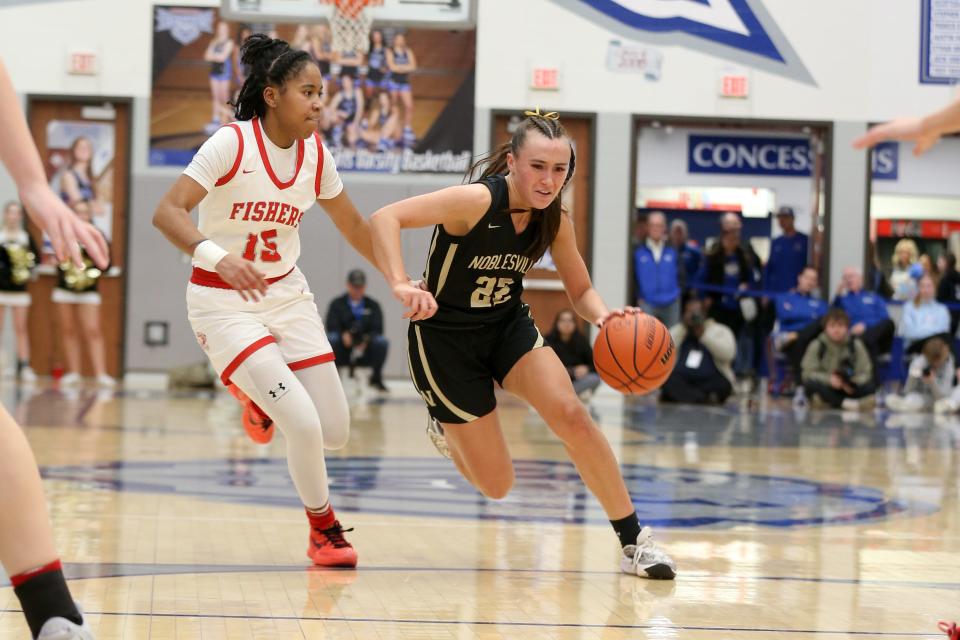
[420, 304]
[240, 274]
[908, 129]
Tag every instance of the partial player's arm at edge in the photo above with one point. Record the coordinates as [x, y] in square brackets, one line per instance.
[924, 132]
[576, 279]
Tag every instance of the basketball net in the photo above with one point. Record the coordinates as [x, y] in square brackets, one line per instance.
[350, 24]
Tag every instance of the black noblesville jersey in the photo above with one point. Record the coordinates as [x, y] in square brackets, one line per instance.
[477, 278]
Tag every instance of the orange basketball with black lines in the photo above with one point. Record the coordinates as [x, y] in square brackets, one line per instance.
[634, 353]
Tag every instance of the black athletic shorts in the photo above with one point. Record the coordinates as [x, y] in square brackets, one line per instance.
[453, 367]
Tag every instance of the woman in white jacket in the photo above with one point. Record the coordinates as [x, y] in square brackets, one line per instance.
[705, 353]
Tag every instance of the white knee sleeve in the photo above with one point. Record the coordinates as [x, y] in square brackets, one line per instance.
[323, 384]
[268, 381]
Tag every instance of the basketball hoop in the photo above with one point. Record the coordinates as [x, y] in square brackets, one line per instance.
[350, 24]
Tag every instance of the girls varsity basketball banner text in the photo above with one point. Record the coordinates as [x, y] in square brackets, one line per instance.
[403, 104]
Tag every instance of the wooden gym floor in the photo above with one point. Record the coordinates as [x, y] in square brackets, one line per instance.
[173, 525]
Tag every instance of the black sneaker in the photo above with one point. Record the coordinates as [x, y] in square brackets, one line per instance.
[379, 386]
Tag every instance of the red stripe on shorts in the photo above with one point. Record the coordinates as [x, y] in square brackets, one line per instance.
[243, 355]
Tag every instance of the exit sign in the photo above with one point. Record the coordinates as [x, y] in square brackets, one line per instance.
[545, 78]
[734, 86]
[82, 63]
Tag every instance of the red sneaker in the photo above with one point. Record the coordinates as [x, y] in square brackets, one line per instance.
[951, 629]
[328, 547]
[257, 424]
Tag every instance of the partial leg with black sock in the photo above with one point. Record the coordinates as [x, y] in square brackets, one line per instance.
[47, 605]
[27, 552]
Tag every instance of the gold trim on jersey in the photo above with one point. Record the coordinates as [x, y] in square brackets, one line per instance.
[460, 413]
[433, 246]
[445, 269]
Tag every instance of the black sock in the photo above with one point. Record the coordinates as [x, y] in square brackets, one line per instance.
[627, 529]
[43, 596]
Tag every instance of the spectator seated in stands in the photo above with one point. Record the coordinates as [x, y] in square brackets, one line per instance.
[867, 312]
[948, 289]
[705, 352]
[355, 329]
[837, 371]
[798, 319]
[575, 353]
[929, 380]
[924, 317]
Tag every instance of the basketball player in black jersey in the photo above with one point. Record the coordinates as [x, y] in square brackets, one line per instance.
[469, 327]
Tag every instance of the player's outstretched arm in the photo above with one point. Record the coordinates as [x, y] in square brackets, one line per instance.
[172, 218]
[457, 208]
[923, 132]
[351, 224]
[20, 156]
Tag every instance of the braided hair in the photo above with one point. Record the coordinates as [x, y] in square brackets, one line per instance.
[271, 63]
[547, 220]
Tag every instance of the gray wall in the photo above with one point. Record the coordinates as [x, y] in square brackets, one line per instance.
[848, 217]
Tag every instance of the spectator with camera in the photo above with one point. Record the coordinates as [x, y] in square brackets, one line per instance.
[705, 352]
[355, 329]
[836, 368]
[929, 380]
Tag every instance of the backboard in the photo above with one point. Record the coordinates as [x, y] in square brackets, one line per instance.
[429, 14]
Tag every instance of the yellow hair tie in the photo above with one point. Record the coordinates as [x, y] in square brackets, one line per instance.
[550, 115]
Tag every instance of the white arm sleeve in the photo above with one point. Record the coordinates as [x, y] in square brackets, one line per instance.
[215, 158]
[330, 183]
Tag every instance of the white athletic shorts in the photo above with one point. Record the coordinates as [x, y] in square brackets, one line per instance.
[14, 298]
[229, 328]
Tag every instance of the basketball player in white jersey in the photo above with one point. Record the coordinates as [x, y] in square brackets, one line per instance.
[248, 303]
[27, 552]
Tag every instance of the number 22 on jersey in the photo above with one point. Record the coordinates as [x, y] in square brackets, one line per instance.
[269, 251]
[484, 295]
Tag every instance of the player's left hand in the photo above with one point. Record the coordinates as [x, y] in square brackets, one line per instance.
[65, 228]
[618, 313]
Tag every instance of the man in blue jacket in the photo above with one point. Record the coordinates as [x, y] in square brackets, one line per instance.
[869, 319]
[798, 315]
[788, 254]
[688, 252]
[658, 273]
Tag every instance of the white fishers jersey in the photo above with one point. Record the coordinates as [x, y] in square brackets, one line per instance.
[257, 192]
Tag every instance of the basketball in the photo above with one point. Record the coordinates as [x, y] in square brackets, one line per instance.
[634, 354]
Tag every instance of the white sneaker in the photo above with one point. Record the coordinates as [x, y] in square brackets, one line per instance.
[103, 380]
[63, 629]
[27, 375]
[646, 559]
[800, 401]
[850, 404]
[437, 437]
[945, 405]
[70, 379]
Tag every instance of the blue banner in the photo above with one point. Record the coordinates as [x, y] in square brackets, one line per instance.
[749, 155]
[885, 161]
